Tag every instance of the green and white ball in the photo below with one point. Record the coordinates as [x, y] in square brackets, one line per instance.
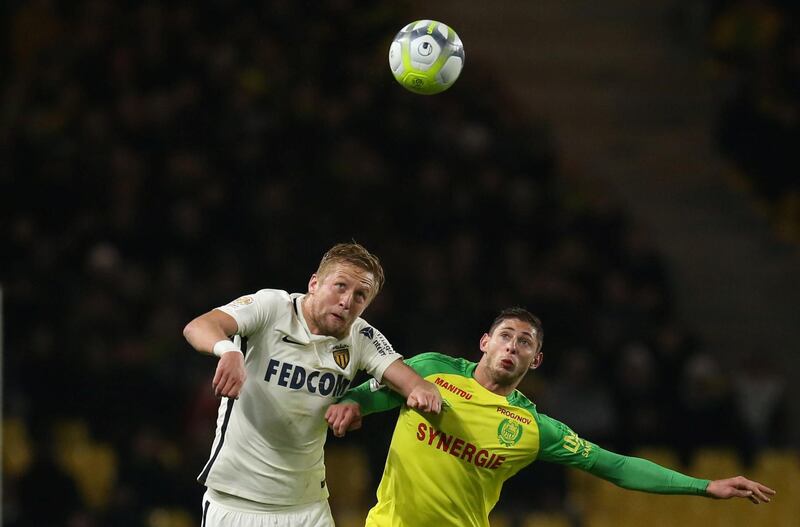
[426, 57]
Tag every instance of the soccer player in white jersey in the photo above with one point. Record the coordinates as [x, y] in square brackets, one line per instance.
[299, 353]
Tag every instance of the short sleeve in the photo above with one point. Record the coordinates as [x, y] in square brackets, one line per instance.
[559, 444]
[376, 351]
[253, 312]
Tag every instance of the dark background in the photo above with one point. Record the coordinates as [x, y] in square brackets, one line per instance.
[161, 159]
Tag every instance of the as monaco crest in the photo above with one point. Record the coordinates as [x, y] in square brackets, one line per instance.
[341, 355]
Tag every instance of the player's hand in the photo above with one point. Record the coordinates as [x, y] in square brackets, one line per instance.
[343, 417]
[740, 487]
[230, 375]
[425, 397]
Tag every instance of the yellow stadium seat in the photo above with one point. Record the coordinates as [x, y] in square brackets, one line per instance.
[500, 519]
[17, 453]
[778, 467]
[94, 468]
[552, 519]
[161, 517]
[715, 463]
[780, 470]
[348, 480]
[92, 465]
[666, 457]
[350, 518]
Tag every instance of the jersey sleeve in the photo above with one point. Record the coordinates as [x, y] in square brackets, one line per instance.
[641, 474]
[376, 351]
[253, 312]
[374, 397]
[559, 444]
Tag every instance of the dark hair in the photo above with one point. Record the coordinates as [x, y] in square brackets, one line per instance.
[353, 254]
[520, 313]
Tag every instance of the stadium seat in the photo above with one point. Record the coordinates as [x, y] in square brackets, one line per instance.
[554, 519]
[500, 519]
[715, 463]
[174, 517]
[17, 453]
[666, 457]
[350, 518]
[780, 470]
[92, 465]
[348, 479]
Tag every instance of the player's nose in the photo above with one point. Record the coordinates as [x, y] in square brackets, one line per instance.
[345, 300]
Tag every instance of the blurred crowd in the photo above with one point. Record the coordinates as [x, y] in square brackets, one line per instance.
[164, 158]
[756, 51]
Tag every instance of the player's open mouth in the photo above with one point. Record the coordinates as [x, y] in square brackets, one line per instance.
[507, 363]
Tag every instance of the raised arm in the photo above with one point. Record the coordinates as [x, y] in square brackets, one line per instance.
[209, 333]
[207, 330]
[368, 398]
[419, 393]
[406, 386]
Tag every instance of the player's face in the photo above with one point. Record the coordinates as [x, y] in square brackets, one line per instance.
[510, 351]
[337, 298]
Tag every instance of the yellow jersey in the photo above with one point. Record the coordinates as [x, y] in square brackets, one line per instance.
[450, 468]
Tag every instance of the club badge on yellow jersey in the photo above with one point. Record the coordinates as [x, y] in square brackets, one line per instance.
[509, 432]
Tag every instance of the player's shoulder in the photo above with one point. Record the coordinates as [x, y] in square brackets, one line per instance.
[275, 298]
[277, 294]
[433, 362]
[363, 328]
[262, 296]
[365, 335]
[268, 301]
[520, 400]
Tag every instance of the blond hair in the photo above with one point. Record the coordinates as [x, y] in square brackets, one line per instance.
[353, 254]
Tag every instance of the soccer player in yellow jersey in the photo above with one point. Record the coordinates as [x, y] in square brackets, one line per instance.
[448, 469]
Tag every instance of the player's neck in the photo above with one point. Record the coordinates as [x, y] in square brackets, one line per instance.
[305, 306]
[486, 380]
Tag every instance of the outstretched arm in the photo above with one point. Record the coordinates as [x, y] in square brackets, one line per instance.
[559, 444]
[641, 474]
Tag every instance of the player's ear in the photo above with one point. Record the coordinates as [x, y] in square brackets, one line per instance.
[537, 360]
[313, 282]
[484, 342]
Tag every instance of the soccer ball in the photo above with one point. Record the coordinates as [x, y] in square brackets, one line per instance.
[426, 57]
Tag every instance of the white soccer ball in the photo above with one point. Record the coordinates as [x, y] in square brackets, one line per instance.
[426, 57]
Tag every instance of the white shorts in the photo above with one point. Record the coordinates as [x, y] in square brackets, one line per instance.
[316, 514]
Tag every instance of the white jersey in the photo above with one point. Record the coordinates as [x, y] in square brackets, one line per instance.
[269, 443]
